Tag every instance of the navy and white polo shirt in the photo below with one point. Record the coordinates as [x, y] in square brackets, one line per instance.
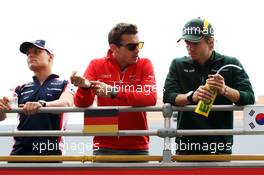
[50, 90]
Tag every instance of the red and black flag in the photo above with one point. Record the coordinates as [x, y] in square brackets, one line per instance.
[103, 121]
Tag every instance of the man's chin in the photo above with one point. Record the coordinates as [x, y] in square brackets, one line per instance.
[33, 68]
[133, 60]
[194, 58]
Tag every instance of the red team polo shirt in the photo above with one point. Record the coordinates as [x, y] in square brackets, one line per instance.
[137, 87]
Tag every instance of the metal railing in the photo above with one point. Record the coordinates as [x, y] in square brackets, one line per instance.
[166, 133]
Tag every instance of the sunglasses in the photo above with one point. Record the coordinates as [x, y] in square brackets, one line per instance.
[133, 46]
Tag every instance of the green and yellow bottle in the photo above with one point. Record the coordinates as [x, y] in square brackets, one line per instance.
[203, 108]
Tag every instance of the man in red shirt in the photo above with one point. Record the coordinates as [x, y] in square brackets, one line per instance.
[120, 78]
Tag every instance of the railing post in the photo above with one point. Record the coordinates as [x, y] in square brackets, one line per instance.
[167, 114]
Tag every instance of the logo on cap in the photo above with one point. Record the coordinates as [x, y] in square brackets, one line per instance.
[38, 43]
[196, 29]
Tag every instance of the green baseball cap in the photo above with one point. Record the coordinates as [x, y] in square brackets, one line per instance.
[195, 29]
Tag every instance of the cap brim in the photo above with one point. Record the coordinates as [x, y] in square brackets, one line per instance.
[26, 45]
[191, 38]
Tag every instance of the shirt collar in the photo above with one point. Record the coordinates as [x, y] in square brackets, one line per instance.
[51, 76]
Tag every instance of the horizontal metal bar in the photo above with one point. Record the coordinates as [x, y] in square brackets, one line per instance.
[207, 132]
[214, 108]
[76, 109]
[127, 109]
[215, 132]
[78, 133]
[131, 133]
[149, 165]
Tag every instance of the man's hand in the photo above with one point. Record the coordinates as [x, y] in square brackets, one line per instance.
[79, 81]
[4, 103]
[217, 82]
[101, 89]
[30, 108]
[202, 93]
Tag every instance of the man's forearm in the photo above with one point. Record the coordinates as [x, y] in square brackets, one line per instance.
[66, 100]
[181, 100]
[231, 94]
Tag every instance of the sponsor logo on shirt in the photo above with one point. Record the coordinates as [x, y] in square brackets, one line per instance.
[56, 83]
[29, 85]
[105, 76]
[26, 92]
[189, 70]
[54, 89]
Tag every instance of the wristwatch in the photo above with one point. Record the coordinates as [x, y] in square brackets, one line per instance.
[114, 92]
[42, 103]
[190, 96]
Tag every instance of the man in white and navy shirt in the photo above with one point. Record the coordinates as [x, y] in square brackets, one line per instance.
[46, 90]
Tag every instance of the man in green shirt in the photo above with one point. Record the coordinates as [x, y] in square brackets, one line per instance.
[185, 85]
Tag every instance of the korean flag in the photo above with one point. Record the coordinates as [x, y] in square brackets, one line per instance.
[254, 118]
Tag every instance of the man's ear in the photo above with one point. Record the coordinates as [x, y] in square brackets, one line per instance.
[51, 56]
[113, 47]
[211, 43]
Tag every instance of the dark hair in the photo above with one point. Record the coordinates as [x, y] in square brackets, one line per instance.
[114, 36]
